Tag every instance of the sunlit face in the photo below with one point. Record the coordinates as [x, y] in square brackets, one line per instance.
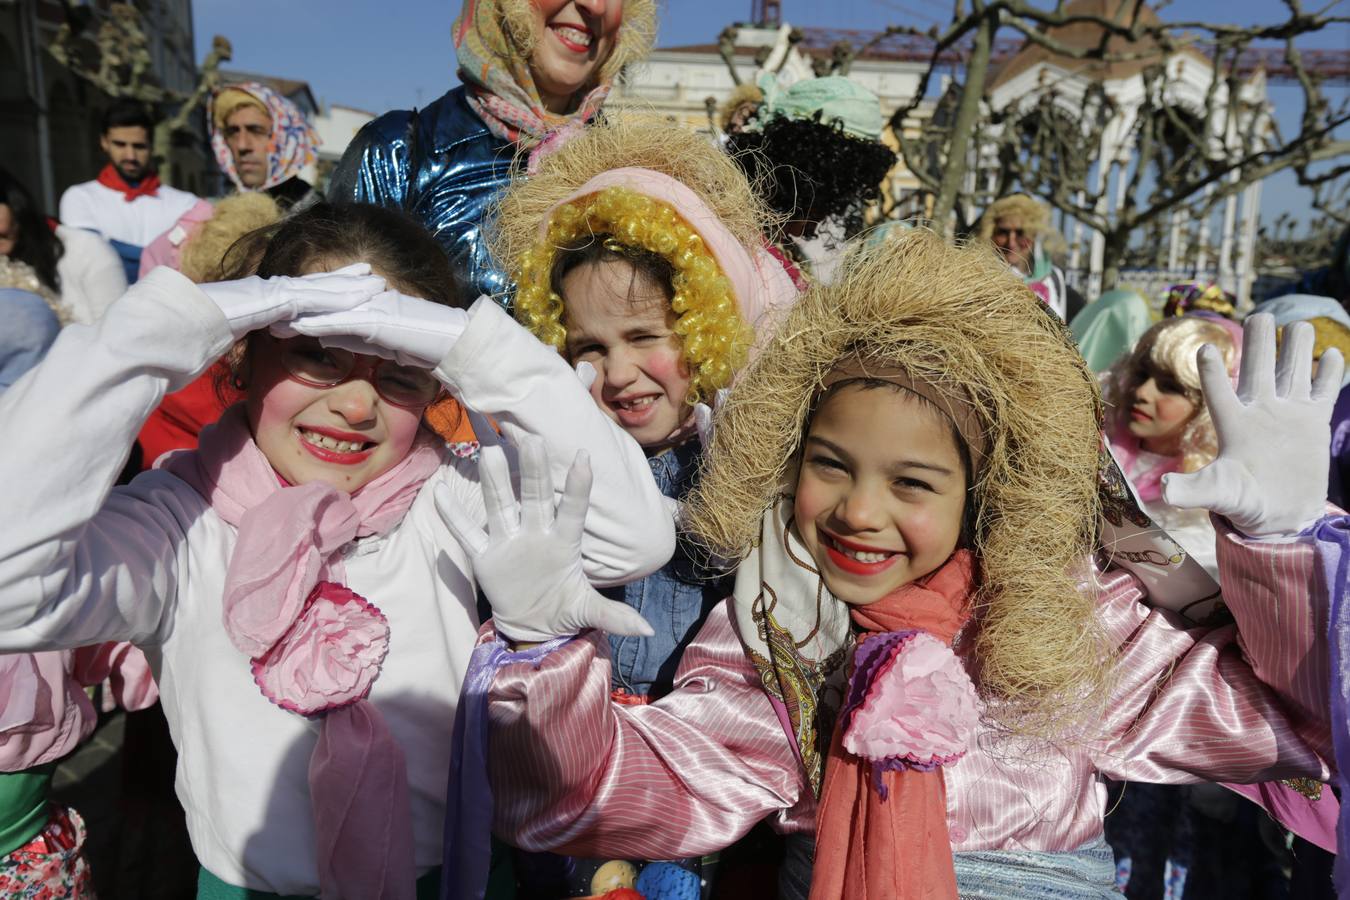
[880, 493]
[620, 322]
[248, 132]
[128, 149]
[345, 436]
[9, 230]
[1160, 411]
[574, 38]
[741, 115]
[1014, 243]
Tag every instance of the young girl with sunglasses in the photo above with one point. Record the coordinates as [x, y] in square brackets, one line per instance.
[307, 612]
[918, 662]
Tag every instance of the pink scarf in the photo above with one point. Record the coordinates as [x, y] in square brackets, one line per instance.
[317, 647]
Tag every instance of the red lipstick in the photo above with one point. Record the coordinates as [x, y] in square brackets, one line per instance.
[846, 563]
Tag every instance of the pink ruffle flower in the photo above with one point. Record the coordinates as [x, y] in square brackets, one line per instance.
[330, 656]
[918, 709]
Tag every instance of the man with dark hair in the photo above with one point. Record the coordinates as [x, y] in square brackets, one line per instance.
[126, 203]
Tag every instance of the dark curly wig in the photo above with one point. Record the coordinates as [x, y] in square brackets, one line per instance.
[809, 171]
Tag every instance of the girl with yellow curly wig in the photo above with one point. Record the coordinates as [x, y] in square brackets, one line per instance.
[635, 249]
[920, 661]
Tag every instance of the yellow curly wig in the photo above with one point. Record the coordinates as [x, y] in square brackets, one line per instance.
[952, 316]
[715, 337]
[637, 33]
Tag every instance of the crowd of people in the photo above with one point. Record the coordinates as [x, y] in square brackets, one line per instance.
[562, 503]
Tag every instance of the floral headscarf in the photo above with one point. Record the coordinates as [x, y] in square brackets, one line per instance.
[293, 137]
[493, 46]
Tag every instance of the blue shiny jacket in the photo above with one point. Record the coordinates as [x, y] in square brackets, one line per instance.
[674, 600]
[443, 167]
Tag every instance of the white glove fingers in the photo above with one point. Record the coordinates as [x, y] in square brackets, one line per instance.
[586, 374]
[356, 268]
[536, 483]
[616, 617]
[576, 499]
[469, 534]
[1224, 406]
[494, 473]
[1256, 378]
[1330, 373]
[1194, 490]
[1293, 372]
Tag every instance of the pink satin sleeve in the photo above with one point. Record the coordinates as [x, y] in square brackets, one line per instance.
[686, 775]
[44, 712]
[1239, 703]
[126, 668]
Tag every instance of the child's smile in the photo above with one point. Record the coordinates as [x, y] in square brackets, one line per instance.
[880, 492]
[620, 322]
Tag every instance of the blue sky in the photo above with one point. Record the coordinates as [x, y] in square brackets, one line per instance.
[385, 55]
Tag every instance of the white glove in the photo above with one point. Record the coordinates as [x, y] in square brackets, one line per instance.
[408, 330]
[1270, 477]
[529, 562]
[585, 374]
[252, 303]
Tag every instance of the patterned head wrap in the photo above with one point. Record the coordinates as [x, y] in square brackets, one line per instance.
[493, 43]
[293, 137]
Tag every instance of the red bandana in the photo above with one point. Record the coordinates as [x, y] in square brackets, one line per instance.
[146, 187]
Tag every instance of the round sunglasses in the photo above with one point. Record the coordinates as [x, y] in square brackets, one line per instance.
[309, 362]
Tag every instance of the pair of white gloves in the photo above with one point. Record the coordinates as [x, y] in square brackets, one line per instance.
[353, 309]
[348, 308]
[1269, 480]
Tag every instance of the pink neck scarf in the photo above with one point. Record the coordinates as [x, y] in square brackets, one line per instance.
[316, 647]
[1148, 482]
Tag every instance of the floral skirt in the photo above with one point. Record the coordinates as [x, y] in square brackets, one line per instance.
[52, 865]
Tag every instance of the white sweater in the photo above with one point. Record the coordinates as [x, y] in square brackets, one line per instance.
[96, 207]
[81, 562]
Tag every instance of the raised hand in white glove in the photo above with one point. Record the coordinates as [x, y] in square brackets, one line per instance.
[408, 330]
[252, 303]
[1256, 482]
[529, 561]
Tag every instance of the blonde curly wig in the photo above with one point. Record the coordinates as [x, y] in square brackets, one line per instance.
[1170, 346]
[715, 337]
[637, 33]
[952, 316]
[1035, 217]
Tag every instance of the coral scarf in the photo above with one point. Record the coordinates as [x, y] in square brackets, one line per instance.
[881, 831]
[148, 186]
[316, 647]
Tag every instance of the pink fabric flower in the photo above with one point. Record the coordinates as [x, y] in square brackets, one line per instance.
[920, 708]
[330, 656]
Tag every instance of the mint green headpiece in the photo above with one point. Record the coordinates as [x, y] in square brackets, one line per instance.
[837, 99]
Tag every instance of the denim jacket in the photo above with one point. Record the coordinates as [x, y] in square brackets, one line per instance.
[674, 600]
[443, 167]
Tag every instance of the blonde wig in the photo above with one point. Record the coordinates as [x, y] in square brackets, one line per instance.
[230, 100]
[740, 95]
[204, 253]
[715, 337]
[1035, 217]
[958, 319]
[637, 33]
[1170, 347]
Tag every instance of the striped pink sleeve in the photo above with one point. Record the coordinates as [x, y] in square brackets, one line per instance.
[1193, 703]
[686, 775]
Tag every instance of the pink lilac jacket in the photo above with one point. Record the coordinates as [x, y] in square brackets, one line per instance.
[690, 773]
[44, 710]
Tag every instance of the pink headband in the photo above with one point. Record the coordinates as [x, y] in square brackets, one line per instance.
[761, 283]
